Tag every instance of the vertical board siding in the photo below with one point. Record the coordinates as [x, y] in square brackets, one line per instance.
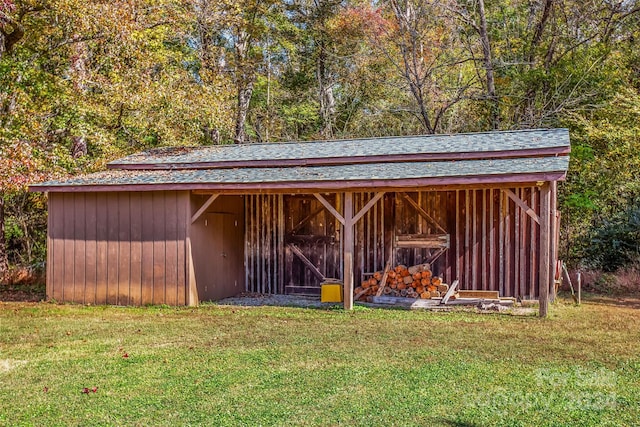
[112, 248]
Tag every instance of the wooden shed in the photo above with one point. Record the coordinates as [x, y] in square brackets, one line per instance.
[186, 224]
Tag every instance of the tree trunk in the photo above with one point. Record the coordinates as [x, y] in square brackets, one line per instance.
[245, 77]
[326, 98]
[245, 91]
[4, 261]
[488, 65]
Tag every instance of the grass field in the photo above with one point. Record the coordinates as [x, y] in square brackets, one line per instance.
[221, 365]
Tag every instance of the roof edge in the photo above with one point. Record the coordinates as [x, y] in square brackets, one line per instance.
[315, 186]
[334, 161]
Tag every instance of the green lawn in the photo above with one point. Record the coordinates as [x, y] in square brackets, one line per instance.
[218, 365]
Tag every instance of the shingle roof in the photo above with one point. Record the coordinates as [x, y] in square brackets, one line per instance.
[520, 143]
[492, 157]
[337, 176]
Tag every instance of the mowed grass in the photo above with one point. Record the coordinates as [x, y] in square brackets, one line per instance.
[223, 366]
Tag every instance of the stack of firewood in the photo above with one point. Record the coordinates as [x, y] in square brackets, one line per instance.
[401, 281]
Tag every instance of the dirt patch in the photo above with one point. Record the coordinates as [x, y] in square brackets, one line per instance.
[253, 300]
[23, 292]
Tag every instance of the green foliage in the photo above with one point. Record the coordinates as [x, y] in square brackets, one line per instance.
[135, 74]
[615, 242]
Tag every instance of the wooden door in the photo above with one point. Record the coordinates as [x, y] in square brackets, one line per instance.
[221, 270]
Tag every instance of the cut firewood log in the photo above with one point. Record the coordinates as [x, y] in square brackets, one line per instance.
[407, 280]
[420, 289]
[425, 295]
[442, 288]
[431, 288]
[435, 294]
[436, 281]
[365, 284]
[418, 268]
[416, 276]
[377, 275]
[401, 286]
[392, 274]
[426, 274]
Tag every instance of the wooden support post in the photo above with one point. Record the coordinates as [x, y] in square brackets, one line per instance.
[552, 237]
[545, 243]
[347, 274]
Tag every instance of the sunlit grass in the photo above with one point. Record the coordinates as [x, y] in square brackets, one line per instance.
[219, 365]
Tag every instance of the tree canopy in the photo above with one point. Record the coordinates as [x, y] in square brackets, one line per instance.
[84, 82]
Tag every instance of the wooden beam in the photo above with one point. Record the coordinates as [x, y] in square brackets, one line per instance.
[450, 292]
[368, 206]
[347, 275]
[422, 212]
[306, 261]
[553, 242]
[435, 241]
[306, 219]
[204, 207]
[383, 281]
[545, 240]
[522, 205]
[329, 207]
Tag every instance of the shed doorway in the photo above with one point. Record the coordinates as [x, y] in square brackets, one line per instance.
[218, 249]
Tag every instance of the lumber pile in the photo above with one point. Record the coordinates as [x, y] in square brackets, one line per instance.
[416, 282]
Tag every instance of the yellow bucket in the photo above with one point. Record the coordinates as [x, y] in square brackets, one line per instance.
[331, 292]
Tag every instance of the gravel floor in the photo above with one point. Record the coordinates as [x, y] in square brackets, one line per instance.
[250, 300]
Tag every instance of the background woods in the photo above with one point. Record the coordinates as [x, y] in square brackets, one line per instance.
[82, 83]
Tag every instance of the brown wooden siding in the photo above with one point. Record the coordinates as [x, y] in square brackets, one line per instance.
[125, 248]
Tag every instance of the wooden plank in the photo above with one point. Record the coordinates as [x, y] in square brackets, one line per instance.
[159, 233]
[533, 249]
[80, 248]
[329, 207]
[296, 251]
[507, 249]
[522, 249]
[474, 243]
[68, 247]
[91, 254]
[146, 294]
[247, 243]
[543, 284]
[137, 218]
[204, 207]
[124, 249]
[348, 250]
[183, 223]
[501, 214]
[467, 248]
[436, 241]
[281, 225]
[368, 206]
[479, 294]
[101, 248]
[492, 242]
[171, 248]
[385, 274]
[483, 251]
[458, 234]
[113, 227]
[422, 212]
[450, 292]
[516, 249]
[522, 205]
[553, 248]
[57, 259]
